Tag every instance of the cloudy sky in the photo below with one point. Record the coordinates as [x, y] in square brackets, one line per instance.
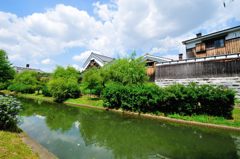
[46, 33]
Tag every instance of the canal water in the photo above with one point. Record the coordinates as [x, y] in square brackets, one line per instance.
[84, 133]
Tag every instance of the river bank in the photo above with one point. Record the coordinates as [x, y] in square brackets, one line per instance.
[12, 146]
[197, 120]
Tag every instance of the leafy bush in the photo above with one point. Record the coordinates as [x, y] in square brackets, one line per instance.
[21, 87]
[138, 98]
[46, 92]
[61, 89]
[112, 95]
[185, 100]
[9, 109]
[64, 84]
[25, 82]
[180, 99]
[4, 85]
[93, 81]
[125, 71]
[58, 89]
[216, 100]
[69, 72]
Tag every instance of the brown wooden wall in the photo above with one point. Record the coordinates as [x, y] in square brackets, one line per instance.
[203, 69]
[151, 72]
[231, 46]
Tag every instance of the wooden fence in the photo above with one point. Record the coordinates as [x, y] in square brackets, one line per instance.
[201, 69]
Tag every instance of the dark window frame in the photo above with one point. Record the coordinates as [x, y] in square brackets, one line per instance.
[215, 43]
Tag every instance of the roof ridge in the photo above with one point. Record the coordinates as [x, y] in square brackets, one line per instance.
[212, 33]
[101, 55]
[157, 56]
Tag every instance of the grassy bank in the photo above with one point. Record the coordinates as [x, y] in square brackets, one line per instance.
[83, 100]
[235, 122]
[92, 101]
[11, 146]
[86, 100]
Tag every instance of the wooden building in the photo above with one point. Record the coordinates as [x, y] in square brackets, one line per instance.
[96, 60]
[151, 62]
[223, 42]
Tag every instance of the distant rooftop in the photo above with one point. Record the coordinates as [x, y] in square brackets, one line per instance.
[158, 59]
[20, 69]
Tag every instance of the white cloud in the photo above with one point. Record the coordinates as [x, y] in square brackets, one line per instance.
[82, 56]
[148, 26]
[104, 11]
[46, 61]
[77, 67]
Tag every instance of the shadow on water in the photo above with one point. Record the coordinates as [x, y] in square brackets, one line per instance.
[71, 132]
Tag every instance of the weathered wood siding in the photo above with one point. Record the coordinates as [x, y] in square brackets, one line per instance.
[231, 46]
[203, 69]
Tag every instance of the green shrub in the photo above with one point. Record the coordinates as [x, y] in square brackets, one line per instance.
[9, 109]
[45, 91]
[25, 82]
[137, 98]
[125, 71]
[112, 95]
[176, 99]
[64, 84]
[216, 100]
[21, 87]
[93, 81]
[61, 89]
[58, 89]
[4, 85]
[180, 99]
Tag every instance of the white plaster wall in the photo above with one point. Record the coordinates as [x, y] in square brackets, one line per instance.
[230, 82]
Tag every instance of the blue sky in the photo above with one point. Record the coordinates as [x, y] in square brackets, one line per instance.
[64, 32]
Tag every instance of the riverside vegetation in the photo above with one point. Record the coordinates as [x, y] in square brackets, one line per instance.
[123, 84]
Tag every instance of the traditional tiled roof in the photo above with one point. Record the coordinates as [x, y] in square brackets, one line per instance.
[155, 58]
[100, 59]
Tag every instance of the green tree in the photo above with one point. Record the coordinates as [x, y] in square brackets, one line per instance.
[6, 70]
[93, 81]
[25, 82]
[69, 72]
[64, 84]
[126, 71]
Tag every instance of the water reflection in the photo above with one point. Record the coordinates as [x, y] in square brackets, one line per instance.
[71, 132]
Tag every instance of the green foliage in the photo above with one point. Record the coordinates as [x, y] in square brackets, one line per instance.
[138, 98]
[216, 101]
[6, 71]
[126, 71]
[93, 81]
[180, 99]
[185, 100]
[69, 72]
[25, 82]
[64, 84]
[9, 109]
[45, 91]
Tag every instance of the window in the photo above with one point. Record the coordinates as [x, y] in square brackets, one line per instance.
[216, 43]
[219, 43]
[200, 48]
